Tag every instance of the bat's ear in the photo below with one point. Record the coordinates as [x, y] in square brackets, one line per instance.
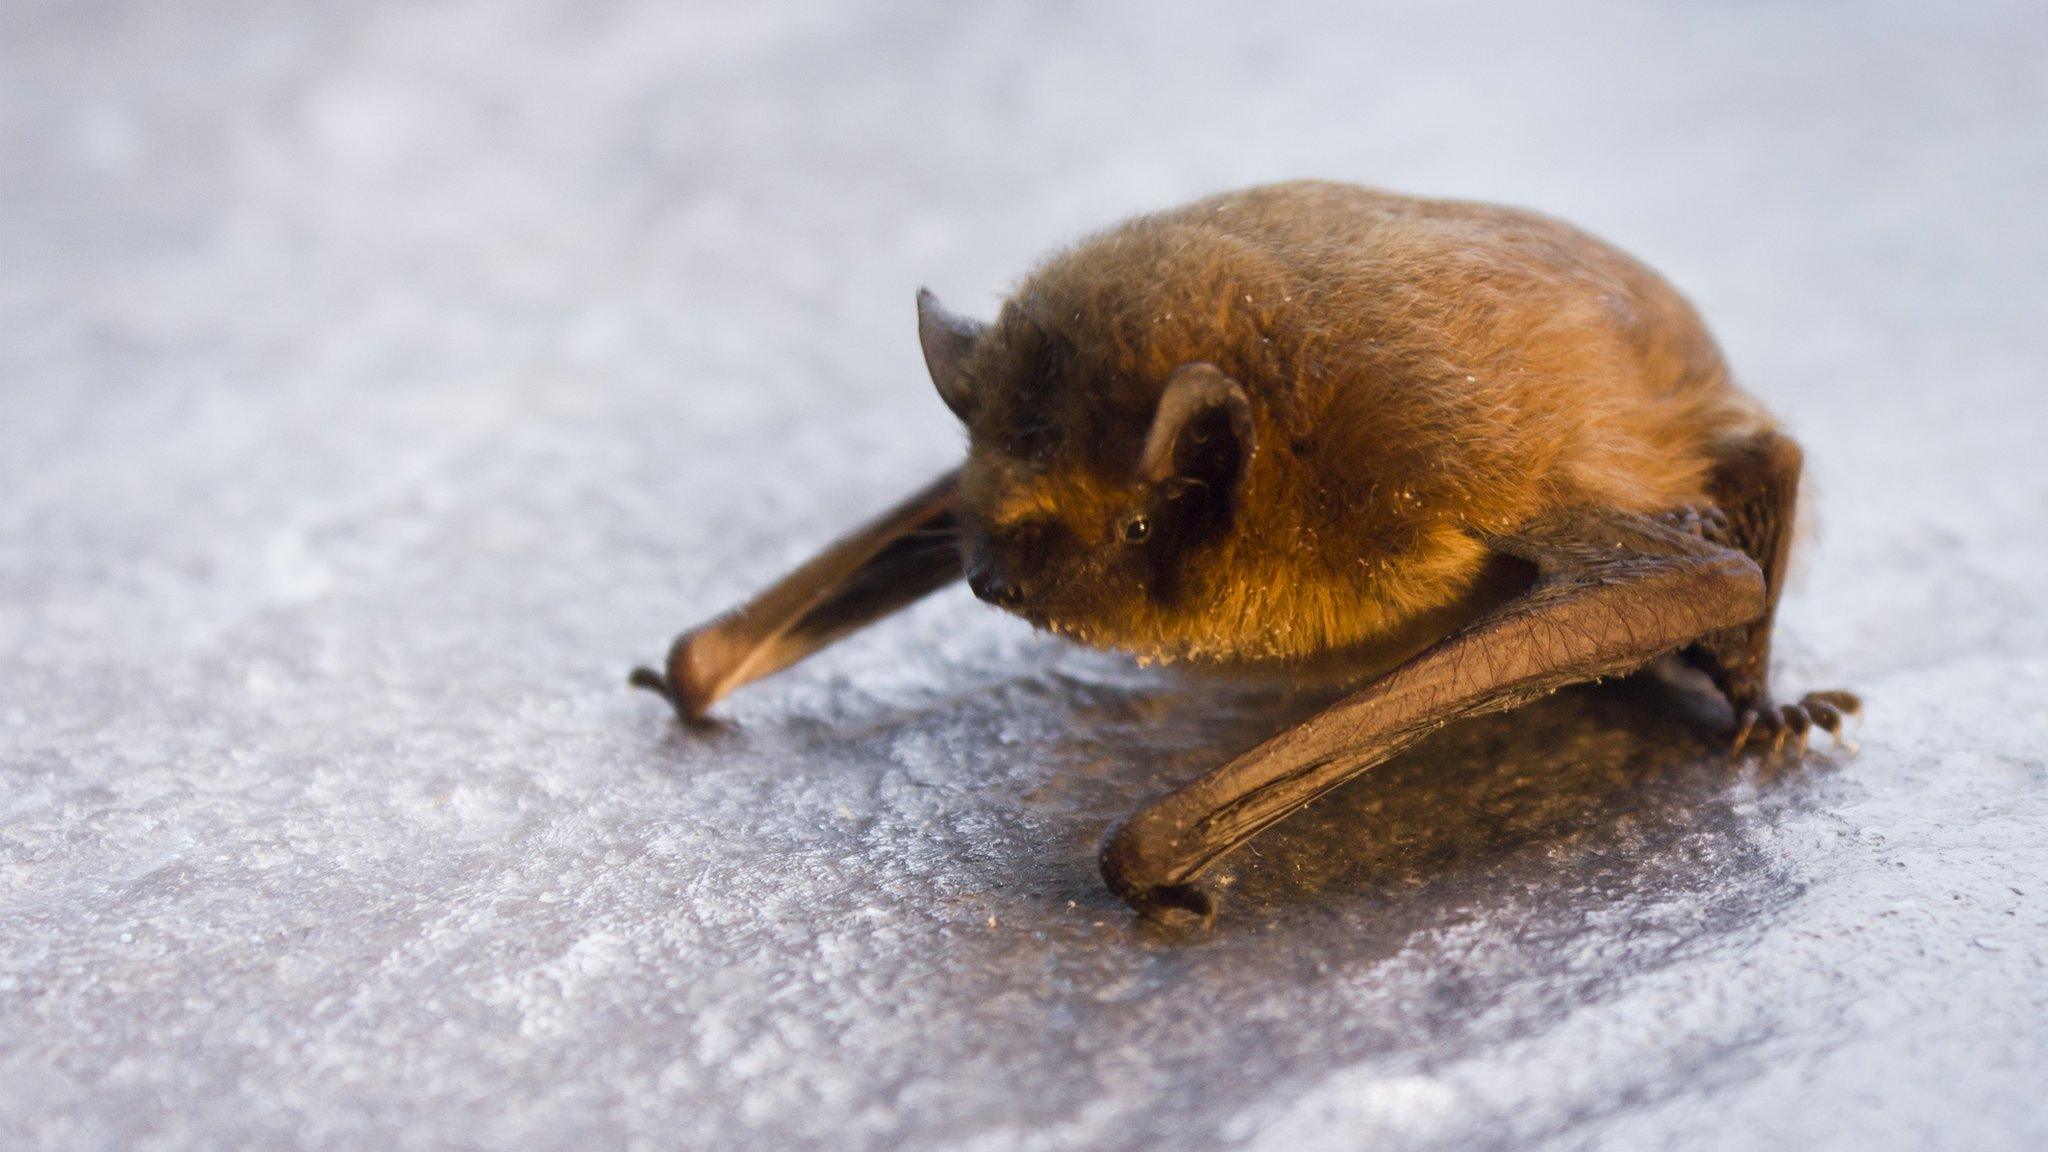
[1201, 431]
[947, 339]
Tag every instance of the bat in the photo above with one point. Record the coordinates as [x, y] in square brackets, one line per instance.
[1470, 450]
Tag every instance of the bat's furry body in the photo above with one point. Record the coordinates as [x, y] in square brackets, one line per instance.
[1468, 447]
[1421, 373]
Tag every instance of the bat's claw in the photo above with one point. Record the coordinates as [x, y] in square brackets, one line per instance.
[655, 682]
[1703, 520]
[689, 708]
[1767, 727]
[698, 672]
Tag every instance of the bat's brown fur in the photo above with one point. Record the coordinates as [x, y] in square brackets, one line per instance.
[1420, 373]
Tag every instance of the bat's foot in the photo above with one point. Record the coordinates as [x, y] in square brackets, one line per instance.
[1767, 728]
[1704, 521]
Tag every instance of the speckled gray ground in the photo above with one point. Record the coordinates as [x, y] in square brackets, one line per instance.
[379, 381]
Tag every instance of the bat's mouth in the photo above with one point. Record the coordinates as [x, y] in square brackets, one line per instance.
[992, 586]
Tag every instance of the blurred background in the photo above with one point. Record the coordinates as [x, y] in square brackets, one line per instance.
[378, 382]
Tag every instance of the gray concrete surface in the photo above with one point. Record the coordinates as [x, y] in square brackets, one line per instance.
[378, 382]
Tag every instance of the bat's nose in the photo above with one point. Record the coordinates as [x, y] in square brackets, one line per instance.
[994, 587]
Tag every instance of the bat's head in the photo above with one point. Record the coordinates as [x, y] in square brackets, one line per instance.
[1100, 500]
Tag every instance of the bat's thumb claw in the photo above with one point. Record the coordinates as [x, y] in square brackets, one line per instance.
[648, 678]
[693, 682]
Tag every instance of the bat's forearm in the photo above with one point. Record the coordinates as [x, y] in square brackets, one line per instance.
[906, 553]
[1591, 612]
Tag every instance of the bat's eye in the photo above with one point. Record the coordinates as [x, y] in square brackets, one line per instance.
[1136, 529]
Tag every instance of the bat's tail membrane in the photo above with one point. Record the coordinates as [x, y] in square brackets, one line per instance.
[899, 557]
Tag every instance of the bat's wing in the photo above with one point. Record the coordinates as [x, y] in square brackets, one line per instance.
[906, 553]
[1606, 594]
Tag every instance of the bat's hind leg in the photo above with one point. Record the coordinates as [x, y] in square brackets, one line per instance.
[1756, 490]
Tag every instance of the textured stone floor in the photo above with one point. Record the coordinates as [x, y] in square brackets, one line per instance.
[378, 382]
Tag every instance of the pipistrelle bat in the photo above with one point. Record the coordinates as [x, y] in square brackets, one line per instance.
[1471, 451]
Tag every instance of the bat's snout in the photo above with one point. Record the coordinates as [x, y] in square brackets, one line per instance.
[996, 587]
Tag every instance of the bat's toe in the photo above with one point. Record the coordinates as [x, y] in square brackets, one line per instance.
[1767, 728]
